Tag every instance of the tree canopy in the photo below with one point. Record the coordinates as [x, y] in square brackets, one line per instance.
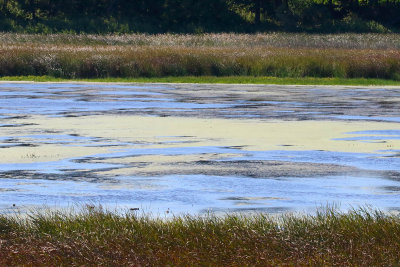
[193, 16]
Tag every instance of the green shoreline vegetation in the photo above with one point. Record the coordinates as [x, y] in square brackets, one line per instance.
[215, 80]
[93, 236]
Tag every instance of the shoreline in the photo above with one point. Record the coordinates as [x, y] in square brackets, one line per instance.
[211, 80]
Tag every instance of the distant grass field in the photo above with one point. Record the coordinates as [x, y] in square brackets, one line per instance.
[251, 57]
[96, 237]
[277, 40]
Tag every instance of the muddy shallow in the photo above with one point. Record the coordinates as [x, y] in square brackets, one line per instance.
[196, 148]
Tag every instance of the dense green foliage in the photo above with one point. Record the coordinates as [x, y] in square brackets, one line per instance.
[190, 16]
[95, 237]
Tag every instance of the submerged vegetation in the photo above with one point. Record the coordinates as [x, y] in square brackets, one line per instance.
[275, 55]
[94, 236]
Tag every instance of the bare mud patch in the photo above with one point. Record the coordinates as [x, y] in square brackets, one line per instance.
[242, 168]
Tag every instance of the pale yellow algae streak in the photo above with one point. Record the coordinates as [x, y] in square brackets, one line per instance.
[152, 132]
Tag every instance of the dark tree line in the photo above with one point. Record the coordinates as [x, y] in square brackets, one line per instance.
[193, 16]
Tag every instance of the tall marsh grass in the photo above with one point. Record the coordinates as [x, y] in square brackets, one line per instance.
[279, 55]
[98, 237]
[279, 40]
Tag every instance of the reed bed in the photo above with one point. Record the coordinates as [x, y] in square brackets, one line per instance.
[67, 61]
[279, 40]
[94, 236]
[277, 55]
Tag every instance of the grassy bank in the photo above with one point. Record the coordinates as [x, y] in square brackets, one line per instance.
[138, 56]
[216, 80]
[97, 237]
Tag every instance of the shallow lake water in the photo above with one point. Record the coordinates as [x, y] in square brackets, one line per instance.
[198, 148]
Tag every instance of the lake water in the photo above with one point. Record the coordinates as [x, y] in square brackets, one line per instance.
[198, 148]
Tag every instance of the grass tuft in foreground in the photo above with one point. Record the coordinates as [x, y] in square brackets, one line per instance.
[99, 237]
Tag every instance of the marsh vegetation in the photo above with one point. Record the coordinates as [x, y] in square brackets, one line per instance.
[94, 236]
[277, 55]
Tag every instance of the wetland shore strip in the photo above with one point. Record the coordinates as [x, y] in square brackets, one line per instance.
[234, 80]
